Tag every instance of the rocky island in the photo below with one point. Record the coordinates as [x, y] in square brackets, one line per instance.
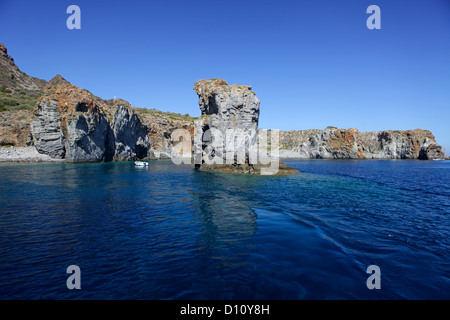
[55, 120]
[228, 130]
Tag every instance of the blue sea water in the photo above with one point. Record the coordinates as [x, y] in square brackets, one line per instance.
[171, 232]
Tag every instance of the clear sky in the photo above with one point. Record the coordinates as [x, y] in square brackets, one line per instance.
[312, 63]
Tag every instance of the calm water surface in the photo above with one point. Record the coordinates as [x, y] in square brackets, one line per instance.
[170, 232]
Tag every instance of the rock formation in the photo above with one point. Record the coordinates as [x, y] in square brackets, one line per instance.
[15, 128]
[328, 143]
[20, 94]
[55, 82]
[160, 126]
[408, 144]
[46, 129]
[225, 108]
[227, 131]
[131, 136]
[333, 143]
[70, 124]
[75, 124]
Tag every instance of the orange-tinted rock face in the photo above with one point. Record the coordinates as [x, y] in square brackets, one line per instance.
[209, 86]
[342, 142]
[391, 144]
[55, 82]
[70, 124]
[71, 99]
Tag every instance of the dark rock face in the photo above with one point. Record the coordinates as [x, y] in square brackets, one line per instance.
[131, 139]
[87, 137]
[432, 151]
[408, 144]
[46, 129]
[70, 124]
[226, 108]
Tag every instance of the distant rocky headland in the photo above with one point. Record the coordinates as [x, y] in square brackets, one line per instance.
[334, 143]
[62, 122]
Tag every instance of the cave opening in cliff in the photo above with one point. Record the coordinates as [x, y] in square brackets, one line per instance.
[82, 107]
[206, 136]
[141, 152]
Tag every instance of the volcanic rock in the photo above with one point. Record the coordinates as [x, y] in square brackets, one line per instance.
[227, 130]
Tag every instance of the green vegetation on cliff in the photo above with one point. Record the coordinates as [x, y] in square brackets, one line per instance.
[164, 114]
[18, 99]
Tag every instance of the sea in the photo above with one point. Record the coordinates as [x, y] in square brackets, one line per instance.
[338, 230]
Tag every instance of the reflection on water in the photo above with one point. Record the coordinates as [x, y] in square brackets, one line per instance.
[227, 218]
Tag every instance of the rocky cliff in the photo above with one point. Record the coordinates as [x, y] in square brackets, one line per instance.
[160, 126]
[70, 123]
[333, 143]
[46, 129]
[73, 124]
[130, 135]
[18, 96]
[66, 122]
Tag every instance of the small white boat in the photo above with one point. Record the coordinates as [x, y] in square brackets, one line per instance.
[141, 163]
[438, 159]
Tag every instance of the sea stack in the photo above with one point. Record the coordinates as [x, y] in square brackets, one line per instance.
[226, 136]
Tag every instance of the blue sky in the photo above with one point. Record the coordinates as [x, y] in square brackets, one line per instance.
[312, 63]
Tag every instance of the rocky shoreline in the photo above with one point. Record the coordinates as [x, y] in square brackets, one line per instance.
[58, 121]
[334, 143]
[24, 154]
[30, 154]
